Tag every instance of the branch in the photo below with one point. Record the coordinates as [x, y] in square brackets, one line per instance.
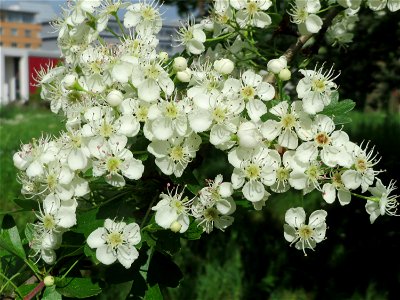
[292, 51]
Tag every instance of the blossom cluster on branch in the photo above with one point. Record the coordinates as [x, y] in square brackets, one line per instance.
[218, 92]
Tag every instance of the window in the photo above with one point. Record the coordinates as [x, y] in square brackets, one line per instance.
[14, 45]
[14, 31]
[28, 45]
[28, 33]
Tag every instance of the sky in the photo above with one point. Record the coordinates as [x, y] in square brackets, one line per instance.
[52, 8]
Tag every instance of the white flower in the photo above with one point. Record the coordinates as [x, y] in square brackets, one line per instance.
[172, 211]
[116, 241]
[283, 171]
[382, 202]
[315, 89]
[251, 12]
[277, 64]
[361, 172]
[74, 149]
[336, 185]
[144, 17]
[305, 236]
[174, 154]
[192, 37]
[81, 9]
[113, 159]
[224, 66]
[306, 176]
[291, 124]
[214, 205]
[303, 13]
[254, 168]
[249, 89]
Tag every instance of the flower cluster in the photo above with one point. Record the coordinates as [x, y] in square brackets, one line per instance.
[112, 95]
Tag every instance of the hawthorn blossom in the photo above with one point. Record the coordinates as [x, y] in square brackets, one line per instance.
[382, 202]
[251, 12]
[304, 235]
[392, 5]
[336, 188]
[192, 37]
[303, 13]
[315, 89]
[144, 17]
[173, 155]
[115, 241]
[253, 91]
[172, 211]
[214, 205]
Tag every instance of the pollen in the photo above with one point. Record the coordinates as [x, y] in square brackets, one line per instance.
[171, 110]
[219, 114]
[248, 92]
[322, 139]
[305, 232]
[115, 239]
[318, 85]
[252, 171]
[113, 164]
[48, 222]
[288, 121]
[177, 153]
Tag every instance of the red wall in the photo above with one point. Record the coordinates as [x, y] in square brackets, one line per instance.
[35, 64]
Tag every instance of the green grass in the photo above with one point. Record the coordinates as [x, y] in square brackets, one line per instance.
[19, 125]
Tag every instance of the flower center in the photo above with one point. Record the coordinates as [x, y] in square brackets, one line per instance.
[148, 13]
[179, 205]
[115, 239]
[252, 8]
[219, 114]
[152, 72]
[361, 165]
[288, 121]
[313, 173]
[337, 180]
[322, 139]
[52, 181]
[282, 174]
[113, 164]
[248, 92]
[318, 85]
[48, 222]
[210, 214]
[252, 171]
[141, 113]
[106, 129]
[171, 110]
[305, 232]
[177, 153]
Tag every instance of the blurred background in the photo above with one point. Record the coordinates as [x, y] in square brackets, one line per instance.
[251, 260]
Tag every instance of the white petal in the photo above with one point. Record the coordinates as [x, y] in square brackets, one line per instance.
[288, 139]
[313, 23]
[148, 90]
[132, 233]
[295, 217]
[253, 191]
[255, 109]
[162, 128]
[344, 197]
[329, 193]
[77, 160]
[126, 255]
[351, 179]
[165, 216]
[105, 255]
[34, 169]
[271, 129]
[317, 218]
[289, 233]
[134, 169]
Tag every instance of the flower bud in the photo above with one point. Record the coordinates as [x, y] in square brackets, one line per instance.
[224, 66]
[184, 76]
[114, 98]
[285, 74]
[208, 24]
[163, 56]
[48, 280]
[175, 226]
[180, 64]
[69, 80]
[276, 65]
[248, 134]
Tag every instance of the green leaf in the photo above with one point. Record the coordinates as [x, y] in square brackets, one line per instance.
[50, 293]
[29, 231]
[194, 232]
[163, 271]
[27, 204]
[26, 289]
[9, 237]
[77, 287]
[88, 222]
[153, 293]
[194, 189]
[339, 110]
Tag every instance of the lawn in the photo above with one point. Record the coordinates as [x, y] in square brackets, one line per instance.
[19, 124]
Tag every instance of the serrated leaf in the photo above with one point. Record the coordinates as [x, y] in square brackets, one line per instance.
[194, 189]
[339, 108]
[77, 287]
[88, 222]
[50, 293]
[26, 289]
[194, 232]
[10, 239]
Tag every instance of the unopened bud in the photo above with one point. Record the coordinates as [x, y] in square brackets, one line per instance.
[163, 56]
[48, 280]
[114, 98]
[180, 64]
[224, 66]
[69, 80]
[276, 65]
[175, 226]
[285, 74]
[184, 76]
